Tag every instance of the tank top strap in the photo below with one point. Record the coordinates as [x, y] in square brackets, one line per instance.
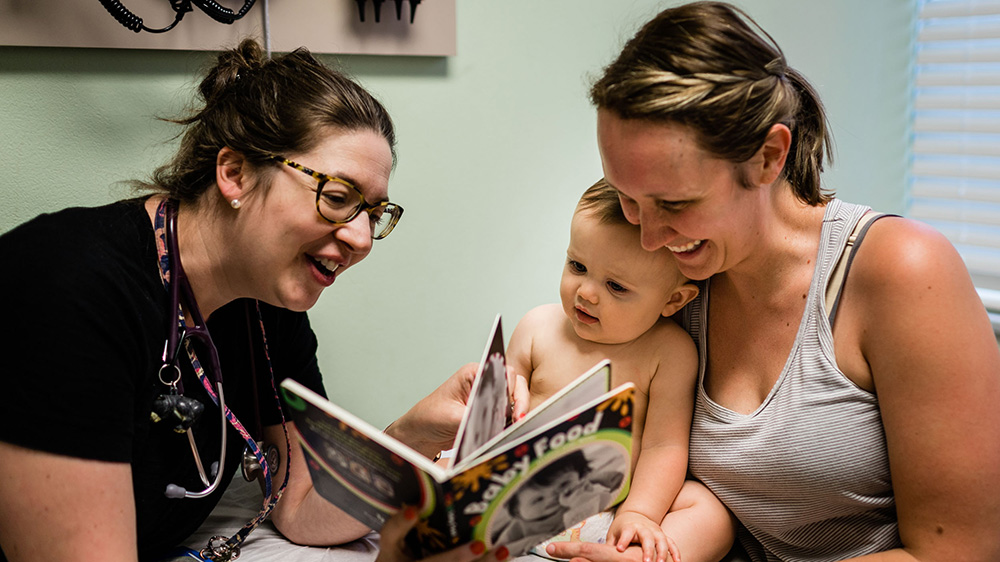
[839, 221]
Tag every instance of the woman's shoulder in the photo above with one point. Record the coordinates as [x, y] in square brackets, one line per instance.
[90, 251]
[897, 253]
[907, 276]
[67, 231]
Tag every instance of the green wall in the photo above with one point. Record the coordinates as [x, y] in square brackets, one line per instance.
[495, 146]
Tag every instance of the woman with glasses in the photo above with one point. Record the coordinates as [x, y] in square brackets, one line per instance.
[118, 433]
[847, 405]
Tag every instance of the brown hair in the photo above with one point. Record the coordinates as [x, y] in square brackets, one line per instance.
[603, 200]
[261, 106]
[709, 66]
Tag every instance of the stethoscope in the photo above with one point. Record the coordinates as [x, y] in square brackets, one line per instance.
[184, 410]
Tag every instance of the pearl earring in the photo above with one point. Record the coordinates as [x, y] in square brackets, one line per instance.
[236, 203]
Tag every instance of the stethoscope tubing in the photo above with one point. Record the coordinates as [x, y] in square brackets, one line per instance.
[210, 487]
[171, 352]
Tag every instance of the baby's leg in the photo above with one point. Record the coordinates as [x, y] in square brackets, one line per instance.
[700, 524]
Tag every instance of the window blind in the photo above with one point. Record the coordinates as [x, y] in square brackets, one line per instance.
[955, 167]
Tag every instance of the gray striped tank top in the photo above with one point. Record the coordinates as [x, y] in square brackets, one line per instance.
[807, 473]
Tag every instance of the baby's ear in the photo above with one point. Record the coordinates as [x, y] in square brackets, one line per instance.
[681, 296]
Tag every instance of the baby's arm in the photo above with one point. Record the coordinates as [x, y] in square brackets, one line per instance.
[662, 463]
[520, 344]
[528, 345]
[523, 357]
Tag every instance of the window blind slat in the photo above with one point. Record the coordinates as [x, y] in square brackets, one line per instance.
[957, 212]
[960, 8]
[959, 52]
[956, 144]
[959, 189]
[960, 166]
[956, 98]
[957, 122]
[959, 29]
[958, 75]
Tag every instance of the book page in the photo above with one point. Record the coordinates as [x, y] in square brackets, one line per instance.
[486, 413]
[585, 388]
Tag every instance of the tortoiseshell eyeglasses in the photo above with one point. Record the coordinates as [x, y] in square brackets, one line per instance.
[338, 201]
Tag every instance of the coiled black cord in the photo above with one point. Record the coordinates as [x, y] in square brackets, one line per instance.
[214, 10]
[134, 22]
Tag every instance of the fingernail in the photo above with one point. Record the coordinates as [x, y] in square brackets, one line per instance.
[478, 547]
[502, 553]
[410, 513]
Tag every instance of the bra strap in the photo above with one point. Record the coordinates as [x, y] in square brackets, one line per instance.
[835, 285]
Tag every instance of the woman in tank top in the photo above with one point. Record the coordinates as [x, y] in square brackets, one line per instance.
[871, 431]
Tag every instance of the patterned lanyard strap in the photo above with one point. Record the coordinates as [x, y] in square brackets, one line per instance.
[219, 548]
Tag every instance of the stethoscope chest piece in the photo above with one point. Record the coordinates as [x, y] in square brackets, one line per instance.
[172, 407]
[178, 411]
[251, 466]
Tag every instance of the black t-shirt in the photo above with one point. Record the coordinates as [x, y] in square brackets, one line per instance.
[80, 348]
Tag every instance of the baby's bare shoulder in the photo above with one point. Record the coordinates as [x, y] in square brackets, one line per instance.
[667, 336]
[542, 325]
[545, 313]
[671, 352]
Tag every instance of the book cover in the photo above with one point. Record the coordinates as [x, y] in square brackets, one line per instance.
[566, 460]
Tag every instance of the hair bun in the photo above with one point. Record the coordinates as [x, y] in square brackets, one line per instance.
[231, 67]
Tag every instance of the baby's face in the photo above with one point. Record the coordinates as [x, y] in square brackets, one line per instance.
[536, 502]
[613, 290]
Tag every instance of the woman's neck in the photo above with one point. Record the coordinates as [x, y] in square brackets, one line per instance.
[783, 256]
[202, 255]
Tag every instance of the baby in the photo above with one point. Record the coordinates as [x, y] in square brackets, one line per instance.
[616, 302]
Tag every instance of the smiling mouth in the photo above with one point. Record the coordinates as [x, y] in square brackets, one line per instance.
[690, 247]
[326, 267]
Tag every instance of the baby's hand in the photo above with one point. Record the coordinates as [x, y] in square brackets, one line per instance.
[631, 527]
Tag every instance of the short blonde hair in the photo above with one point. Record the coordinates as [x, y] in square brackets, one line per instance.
[603, 200]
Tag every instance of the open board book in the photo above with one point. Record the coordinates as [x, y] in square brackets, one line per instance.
[511, 485]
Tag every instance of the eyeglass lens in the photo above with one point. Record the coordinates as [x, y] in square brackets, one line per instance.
[339, 203]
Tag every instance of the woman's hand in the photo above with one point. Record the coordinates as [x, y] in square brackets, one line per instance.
[630, 527]
[430, 426]
[593, 552]
[392, 549]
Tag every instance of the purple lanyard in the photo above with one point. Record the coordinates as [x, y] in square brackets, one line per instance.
[219, 548]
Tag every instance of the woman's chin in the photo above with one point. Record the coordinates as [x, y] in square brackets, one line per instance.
[299, 301]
